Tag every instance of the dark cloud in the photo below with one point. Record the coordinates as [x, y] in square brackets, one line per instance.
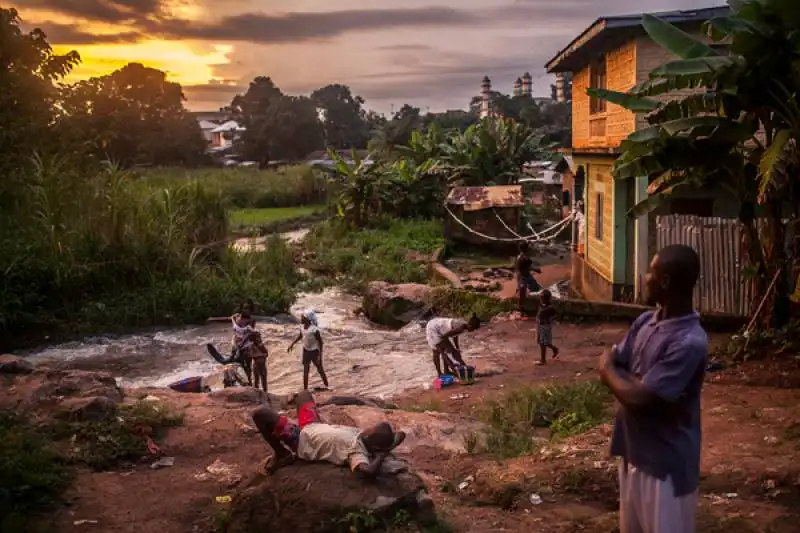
[100, 10]
[405, 48]
[298, 27]
[68, 34]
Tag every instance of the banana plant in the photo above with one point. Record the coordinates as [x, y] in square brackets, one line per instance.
[361, 187]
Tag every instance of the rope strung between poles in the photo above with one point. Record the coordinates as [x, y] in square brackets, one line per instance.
[537, 237]
[502, 239]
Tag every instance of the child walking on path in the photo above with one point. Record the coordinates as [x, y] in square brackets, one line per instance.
[544, 327]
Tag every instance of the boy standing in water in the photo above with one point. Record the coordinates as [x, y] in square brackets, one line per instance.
[244, 330]
[544, 326]
[312, 346]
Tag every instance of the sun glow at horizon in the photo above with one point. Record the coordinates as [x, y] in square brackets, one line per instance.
[179, 60]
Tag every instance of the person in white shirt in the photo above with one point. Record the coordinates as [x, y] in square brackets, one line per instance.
[312, 347]
[310, 439]
[442, 336]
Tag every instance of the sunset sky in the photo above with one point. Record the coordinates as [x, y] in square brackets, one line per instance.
[429, 53]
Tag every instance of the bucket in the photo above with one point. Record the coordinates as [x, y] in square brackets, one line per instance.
[445, 380]
[466, 374]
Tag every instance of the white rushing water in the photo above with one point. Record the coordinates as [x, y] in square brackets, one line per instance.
[359, 357]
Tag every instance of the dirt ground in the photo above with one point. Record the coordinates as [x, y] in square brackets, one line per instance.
[750, 471]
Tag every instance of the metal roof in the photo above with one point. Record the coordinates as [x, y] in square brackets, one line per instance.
[598, 36]
[478, 198]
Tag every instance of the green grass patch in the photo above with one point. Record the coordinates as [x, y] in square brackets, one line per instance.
[104, 444]
[564, 410]
[270, 215]
[247, 187]
[457, 302]
[356, 257]
[33, 475]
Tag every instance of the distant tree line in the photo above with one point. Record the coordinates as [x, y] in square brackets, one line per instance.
[135, 116]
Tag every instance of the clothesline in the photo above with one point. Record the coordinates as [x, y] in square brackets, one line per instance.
[538, 238]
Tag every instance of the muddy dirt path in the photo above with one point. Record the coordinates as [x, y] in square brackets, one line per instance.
[751, 477]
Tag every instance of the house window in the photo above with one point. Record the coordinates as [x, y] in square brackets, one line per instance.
[598, 217]
[598, 80]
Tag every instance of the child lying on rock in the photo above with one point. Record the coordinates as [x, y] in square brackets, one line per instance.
[312, 440]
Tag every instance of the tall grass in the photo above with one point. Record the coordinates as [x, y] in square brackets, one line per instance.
[561, 410]
[248, 187]
[354, 258]
[99, 250]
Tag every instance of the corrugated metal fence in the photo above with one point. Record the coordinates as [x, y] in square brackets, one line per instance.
[722, 287]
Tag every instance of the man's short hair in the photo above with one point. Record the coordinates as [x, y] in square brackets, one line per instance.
[682, 264]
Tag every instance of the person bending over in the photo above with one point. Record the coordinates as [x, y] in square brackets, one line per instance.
[442, 336]
[310, 439]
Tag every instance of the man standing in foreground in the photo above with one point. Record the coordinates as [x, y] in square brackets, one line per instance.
[656, 375]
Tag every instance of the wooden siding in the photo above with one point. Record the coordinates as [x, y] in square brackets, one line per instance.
[599, 252]
[608, 129]
[580, 109]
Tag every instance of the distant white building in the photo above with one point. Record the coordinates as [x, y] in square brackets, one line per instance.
[207, 127]
[223, 135]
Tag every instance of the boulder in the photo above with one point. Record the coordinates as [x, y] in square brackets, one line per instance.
[11, 364]
[299, 499]
[85, 409]
[395, 305]
[60, 384]
[247, 395]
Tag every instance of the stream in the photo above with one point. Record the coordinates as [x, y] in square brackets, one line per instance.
[359, 357]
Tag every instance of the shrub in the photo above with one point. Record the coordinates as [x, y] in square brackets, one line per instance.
[377, 253]
[563, 409]
[105, 443]
[33, 475]
[84, 252]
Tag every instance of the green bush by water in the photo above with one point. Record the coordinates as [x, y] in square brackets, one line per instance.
[247, 187]
[86, 252]
[104, 444]
[378, 253]
[32, 474]
[564, 410]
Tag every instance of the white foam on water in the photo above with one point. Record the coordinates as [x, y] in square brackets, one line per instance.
[359, 357]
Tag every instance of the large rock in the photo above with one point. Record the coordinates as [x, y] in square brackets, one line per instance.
[319, 497]
[60, 384]
[247, 395]
[395, 305]
[85, 409]
[11, 364]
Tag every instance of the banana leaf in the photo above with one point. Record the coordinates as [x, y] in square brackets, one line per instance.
[628, 101]
[675, 40]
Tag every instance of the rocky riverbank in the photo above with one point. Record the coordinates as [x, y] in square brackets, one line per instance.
[208, 479]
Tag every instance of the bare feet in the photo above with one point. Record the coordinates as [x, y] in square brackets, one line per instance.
[540, 363]
[556, 351]
[275, 462]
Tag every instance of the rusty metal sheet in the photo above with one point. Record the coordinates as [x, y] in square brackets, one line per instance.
[722, 287]
[477, 198]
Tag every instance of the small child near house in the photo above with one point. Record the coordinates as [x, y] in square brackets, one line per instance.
[544, 327]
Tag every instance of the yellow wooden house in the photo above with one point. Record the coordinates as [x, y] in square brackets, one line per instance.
[615, 53]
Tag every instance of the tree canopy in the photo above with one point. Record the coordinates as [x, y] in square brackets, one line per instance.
[29, 71]
[132, 116]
